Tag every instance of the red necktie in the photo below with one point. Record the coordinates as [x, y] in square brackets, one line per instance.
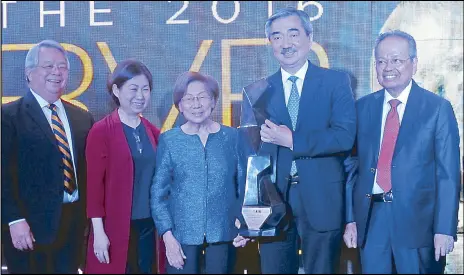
[390, 134]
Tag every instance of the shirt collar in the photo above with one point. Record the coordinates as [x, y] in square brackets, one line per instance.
[300, 74]
[44, 104]
[403, 97]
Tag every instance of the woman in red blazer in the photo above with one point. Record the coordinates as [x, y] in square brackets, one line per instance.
[120, 157]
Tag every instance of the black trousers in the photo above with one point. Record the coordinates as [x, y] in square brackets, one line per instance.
[219, 258]
[141, 253]
[321, 250]
[63, 256]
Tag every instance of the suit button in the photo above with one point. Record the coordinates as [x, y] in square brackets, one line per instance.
[368, 196]
[373, 170]
[393, 166]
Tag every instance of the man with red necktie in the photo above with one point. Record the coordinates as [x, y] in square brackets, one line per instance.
[406, 197]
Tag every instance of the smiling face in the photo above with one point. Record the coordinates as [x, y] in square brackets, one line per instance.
[393, 65]
[290, 43]
[134, 95]
[50, 77]
[197, 103]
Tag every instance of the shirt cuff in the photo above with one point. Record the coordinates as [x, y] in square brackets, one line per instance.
[13, 222]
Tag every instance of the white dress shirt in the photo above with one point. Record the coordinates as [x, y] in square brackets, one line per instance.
[299, 82]
[67, 198]
[403, 98]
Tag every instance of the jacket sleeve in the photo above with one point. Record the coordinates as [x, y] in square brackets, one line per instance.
[241, 176]
[96, 154]
[160, 189]
[448, 178]
[10, 201]
[351, 169]
[339, 135]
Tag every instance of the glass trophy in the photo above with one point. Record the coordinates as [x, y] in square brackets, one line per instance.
[262, 208]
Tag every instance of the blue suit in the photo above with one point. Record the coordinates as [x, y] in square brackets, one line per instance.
[425, 178]
[325, 130]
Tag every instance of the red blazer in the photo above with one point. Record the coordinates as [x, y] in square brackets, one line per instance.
[109, 188]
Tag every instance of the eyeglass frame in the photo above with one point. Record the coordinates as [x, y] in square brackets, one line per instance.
[392, 62]
[192, 99]
[49, 67]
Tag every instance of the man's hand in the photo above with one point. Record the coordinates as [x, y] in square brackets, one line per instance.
[351, 235]
[174, 251]
[444, 244]
[21, 236]
[276, 134]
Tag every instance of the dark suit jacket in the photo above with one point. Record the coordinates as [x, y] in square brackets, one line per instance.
[325, 130]
[32, 168]
[425, 167]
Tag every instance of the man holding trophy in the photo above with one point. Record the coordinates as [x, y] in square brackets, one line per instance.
[299, 124]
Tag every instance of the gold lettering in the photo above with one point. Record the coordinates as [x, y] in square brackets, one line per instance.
[107, 55]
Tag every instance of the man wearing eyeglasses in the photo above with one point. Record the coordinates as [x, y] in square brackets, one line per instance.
[406, 198]
[43, 169]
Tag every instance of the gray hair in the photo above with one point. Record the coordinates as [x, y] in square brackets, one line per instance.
[286, 12]
[401, 34]
[32, 57]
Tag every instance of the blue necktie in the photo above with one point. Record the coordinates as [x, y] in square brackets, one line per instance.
[293, 106]
[63, 146]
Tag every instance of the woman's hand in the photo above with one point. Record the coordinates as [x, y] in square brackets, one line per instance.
[101, 246]
[174, 251]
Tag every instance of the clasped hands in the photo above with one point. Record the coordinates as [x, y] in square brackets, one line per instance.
[276, 134]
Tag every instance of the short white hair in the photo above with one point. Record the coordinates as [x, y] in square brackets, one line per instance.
[32, 57]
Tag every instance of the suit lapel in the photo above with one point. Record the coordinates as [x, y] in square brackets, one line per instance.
[309, 91]
[410, 117]
[36, 114]
[375, 122]
[277, 109]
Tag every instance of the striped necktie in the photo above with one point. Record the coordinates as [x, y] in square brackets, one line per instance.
[293, 106]
[63, 146]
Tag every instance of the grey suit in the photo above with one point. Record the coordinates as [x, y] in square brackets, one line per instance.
[425, 182]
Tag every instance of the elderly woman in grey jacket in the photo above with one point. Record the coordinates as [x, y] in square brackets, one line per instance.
[195, 190]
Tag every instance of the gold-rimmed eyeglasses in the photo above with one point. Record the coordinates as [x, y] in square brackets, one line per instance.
[50, 67]
[395, 62]
[189, 100]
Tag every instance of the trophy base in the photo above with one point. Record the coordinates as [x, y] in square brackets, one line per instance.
[249, 233]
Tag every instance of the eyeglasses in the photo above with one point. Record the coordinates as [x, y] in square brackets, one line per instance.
[59, 67]
[189, 100]
[395, 62]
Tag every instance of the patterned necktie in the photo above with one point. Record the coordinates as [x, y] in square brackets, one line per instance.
[293, 106]
[390, 134]
[63, 146]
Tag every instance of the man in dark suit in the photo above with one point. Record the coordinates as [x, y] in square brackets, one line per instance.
[43, 169]
[312, 124]
[406, 197]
